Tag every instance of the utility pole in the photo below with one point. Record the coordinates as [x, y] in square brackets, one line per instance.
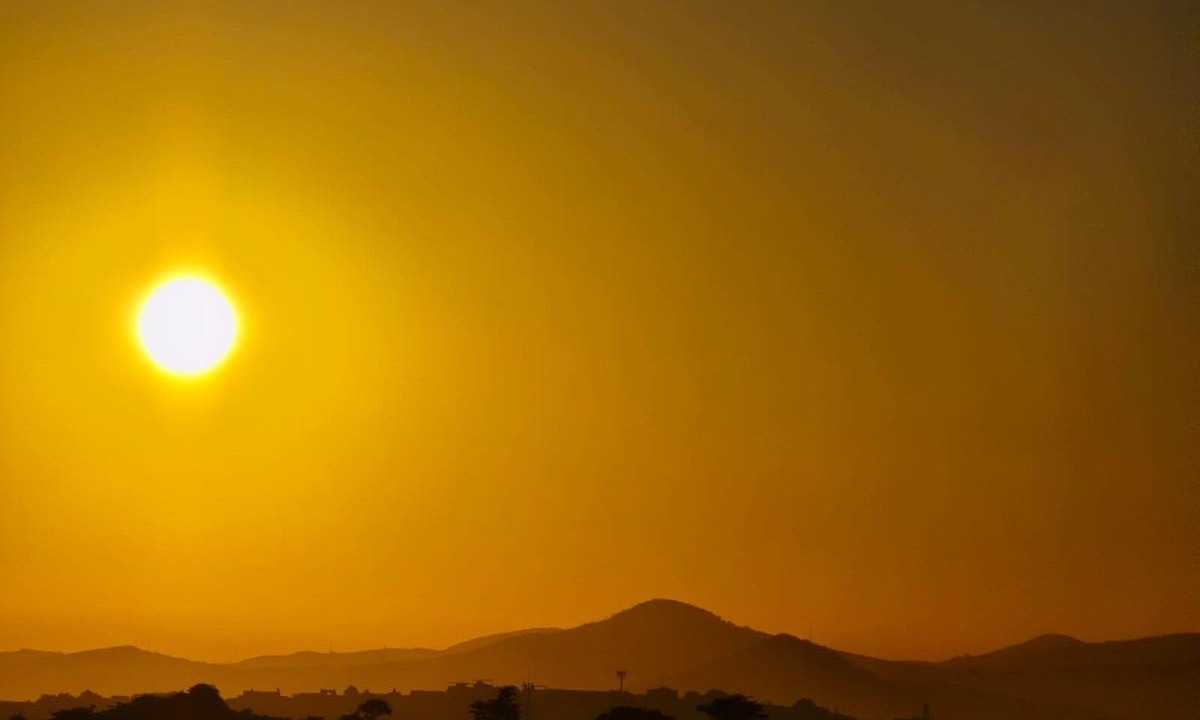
[620, 681]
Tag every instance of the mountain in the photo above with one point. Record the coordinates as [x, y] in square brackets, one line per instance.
[1155, 677]
[1150, 677]
[115, 670]
[665, 642]
[18, 657]
[783, 668]
[1058, 652]
[649, 640]
[481, 641]
[310, 659]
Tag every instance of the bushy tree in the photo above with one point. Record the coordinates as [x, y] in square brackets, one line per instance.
[503, 707]
[732, 707]
[205, 695]
[626, 712]
[371, 709]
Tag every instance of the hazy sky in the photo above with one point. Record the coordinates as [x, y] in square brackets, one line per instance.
[880, 320]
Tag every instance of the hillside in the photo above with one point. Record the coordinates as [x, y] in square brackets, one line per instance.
[665, 642]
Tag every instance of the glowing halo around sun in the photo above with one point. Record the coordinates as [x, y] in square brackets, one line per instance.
[187, 326]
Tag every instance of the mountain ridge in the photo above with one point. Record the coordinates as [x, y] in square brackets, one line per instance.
[669, 642]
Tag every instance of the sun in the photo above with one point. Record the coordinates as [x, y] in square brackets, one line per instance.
[187, 326]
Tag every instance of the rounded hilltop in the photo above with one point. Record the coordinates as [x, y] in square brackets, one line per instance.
[665, 607]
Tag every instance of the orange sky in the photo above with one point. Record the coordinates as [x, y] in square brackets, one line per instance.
[881, 322]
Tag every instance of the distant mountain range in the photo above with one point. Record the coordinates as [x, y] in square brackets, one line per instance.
[664, 642]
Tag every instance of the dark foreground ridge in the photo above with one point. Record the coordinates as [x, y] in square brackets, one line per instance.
[461, 701]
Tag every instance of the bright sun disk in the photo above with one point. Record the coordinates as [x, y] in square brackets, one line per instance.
[187, 326]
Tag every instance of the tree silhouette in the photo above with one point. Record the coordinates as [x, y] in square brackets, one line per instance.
[371, 709]
[732, 707]
[503, 707]
[205, 695]
[806, 709]
[200, 702]
[625, 712]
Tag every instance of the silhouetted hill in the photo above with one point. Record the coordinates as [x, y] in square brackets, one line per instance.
[783, 668]
[476, 643]
[1155, 677]
[1062, 651]
[19, 657]
[667, 642]
[649, 640]
[310, 659]
[1151, 677]
[115, 670]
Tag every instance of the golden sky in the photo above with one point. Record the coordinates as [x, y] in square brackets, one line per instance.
[880, 321]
